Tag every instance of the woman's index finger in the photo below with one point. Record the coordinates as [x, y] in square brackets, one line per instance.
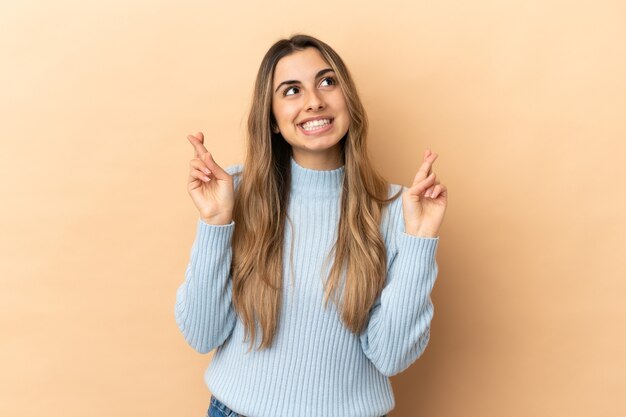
[425, 169]
[429, 159]
[197, 146]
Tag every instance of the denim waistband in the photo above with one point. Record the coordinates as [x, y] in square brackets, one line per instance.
[223, 409]
[227, 411]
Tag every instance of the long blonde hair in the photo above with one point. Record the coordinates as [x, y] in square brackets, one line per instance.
[261, 206]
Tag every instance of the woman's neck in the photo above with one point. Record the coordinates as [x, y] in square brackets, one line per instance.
[310, 183]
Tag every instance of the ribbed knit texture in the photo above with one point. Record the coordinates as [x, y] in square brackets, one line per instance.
[316, 367]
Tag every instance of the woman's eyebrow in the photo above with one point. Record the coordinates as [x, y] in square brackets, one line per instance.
[319, 74]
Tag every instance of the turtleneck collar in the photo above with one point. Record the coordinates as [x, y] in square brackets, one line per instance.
[313, 183]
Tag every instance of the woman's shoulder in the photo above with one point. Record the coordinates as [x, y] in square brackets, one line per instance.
[392, 218]
[235, 170]
[393, 189]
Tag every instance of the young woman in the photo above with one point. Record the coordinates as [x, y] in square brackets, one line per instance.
[306, 219]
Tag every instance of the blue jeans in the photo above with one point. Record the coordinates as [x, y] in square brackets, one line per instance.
[218, 409]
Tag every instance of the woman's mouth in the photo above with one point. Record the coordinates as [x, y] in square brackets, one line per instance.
[315, 127]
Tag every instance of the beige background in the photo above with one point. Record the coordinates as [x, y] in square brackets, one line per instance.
[524, 101]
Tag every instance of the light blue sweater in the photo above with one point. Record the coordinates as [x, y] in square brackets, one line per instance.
[316, 367]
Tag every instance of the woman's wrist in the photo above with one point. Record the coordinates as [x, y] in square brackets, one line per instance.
[420, 232]
[216, 221]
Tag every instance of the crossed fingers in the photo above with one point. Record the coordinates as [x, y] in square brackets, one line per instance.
[203, 160]
[424, 171]
[198, 144]
[425, 182]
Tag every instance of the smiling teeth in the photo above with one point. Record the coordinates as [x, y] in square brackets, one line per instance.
[315, 124]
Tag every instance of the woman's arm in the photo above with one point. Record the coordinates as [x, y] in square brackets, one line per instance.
[399, 324]
[203, 310]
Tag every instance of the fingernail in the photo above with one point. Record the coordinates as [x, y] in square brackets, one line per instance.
[206, 171]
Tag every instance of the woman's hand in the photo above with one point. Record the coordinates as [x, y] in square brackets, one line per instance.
[424, 203]
[210, 187]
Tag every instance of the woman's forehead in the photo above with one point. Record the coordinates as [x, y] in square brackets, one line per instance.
[299, 66]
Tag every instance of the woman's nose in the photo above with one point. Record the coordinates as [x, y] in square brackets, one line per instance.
[315, 102]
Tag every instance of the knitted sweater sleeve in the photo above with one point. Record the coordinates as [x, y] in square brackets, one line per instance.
[398, 329]
[203, 308]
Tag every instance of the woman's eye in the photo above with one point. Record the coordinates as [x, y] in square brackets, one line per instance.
[286, 92]
[331, 80]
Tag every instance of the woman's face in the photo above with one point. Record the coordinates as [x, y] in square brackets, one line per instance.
[310, 109]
